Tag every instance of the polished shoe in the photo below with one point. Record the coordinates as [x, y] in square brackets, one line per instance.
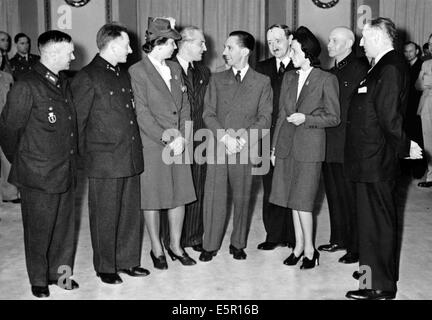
[135, 272]
[110, 278]
[40, 292]
[72, 286]
[270, 245]
[159, 262]
[371, 294]
[184, 258]
[331, 247]
[206, 256]
[310, 264]
[198, 248]
[349, 257]
[292, 259]
[13, 201]
[425, 184]
[238, 254]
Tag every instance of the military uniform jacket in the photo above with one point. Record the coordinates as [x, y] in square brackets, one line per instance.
[350, 71]
[109, 138]
[38, 132]
[375, 138]
[20, 65]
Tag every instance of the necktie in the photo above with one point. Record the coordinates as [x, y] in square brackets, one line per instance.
[190, 73]
[238, 76]
[281, 69]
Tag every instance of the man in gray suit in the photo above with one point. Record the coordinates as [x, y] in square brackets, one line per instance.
[238, 99]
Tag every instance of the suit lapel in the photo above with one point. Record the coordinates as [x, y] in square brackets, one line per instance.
[176, 87]
[291, 96]
[154, 75]
[308, 85]
[245, 87]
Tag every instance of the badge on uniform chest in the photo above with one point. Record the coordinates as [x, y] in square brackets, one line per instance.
[52, 118]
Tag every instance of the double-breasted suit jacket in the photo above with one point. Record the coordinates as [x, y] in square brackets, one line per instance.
[241, 107]
[319, 101]
[161, 111]
[300, 150]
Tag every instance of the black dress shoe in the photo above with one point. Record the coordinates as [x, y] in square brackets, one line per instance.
[40, 292]
[110, 278]
[184, 258]
[371, 294]
[13, 201]
[72, 286]
[292, 259]
[206, 256]
[198, 248]
[135, 272]
[310, 264]
[349, 257]
[238, 254]
[159, 262]
[425, 184]
[331, 247]
[268, 245]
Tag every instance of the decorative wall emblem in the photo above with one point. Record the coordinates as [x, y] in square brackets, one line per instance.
[77, 3]
[325, 5]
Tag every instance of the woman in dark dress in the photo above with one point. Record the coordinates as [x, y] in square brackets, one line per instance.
[309, 103]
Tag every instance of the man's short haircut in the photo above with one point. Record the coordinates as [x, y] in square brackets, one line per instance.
[386, 25]
[53, 36]
[109, 32]
[21, 35]
[284, 27]
[187, 32]
[245, 39]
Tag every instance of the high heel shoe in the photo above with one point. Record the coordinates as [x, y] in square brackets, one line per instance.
[310, 264]
[159, 262]
[184, 258]
[292, 259]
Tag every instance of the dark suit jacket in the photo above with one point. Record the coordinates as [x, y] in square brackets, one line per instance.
[269, 68]
[108, 131]
[375, 138]
[196, 92]
[319, 101]
[241, 107]
[349, 72]
[38, 132]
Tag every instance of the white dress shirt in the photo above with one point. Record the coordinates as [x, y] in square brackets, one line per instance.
[242, 71]
[303, 75]
[163, 69]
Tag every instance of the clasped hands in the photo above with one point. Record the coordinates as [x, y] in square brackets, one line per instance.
[233, 145]
[178, 145]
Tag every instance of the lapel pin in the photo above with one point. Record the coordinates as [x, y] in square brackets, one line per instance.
[201, 82]
[307, 82]
[52, 118]
[175, 77]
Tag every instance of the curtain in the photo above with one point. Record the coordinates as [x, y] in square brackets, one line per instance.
[216, 18]
[412, 18]
[10, 19]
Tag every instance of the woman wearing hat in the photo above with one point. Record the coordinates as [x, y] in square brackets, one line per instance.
[309, 103]
[162, 109]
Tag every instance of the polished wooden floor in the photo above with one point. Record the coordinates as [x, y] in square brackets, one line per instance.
[262, 276]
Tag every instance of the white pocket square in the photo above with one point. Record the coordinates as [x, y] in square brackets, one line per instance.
[362, 90]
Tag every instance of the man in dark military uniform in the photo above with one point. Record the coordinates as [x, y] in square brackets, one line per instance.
[277, 220]
[23, 60]
[110, 143]
[39, 138]
[340, 195]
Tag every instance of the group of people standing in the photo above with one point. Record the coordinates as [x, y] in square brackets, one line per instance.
[346, 123]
